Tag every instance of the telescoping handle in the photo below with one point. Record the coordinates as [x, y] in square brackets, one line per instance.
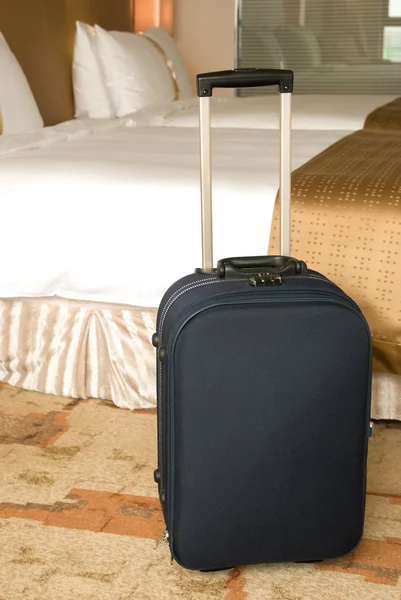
[239, 78]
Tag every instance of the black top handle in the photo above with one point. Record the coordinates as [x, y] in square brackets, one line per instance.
[244, 266]
[243, 78]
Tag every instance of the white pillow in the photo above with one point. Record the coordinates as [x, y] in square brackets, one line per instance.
[134, 71]
[90, 93]
[169, 46]
[20, 113]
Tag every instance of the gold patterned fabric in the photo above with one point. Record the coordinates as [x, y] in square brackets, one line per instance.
[387, 117]
[346, 223]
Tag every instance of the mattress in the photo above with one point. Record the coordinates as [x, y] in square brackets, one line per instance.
[322, 112]
[111, 212]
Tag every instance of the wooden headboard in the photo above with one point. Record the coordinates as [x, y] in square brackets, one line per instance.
[41, 35]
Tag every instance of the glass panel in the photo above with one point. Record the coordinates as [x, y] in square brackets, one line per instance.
[394, 8]
[333, 46]
[392, 44]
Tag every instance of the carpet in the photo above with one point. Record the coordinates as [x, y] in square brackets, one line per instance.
[80, 519]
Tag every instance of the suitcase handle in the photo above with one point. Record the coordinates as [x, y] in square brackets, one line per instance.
[244, 78]
[250, 77]
[250, 265]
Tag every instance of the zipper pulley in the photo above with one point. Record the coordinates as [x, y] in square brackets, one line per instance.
[162, 539]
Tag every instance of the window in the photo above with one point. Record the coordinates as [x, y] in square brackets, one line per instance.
[333, 47]
[392, 32]
[394, 8]
[392, 43]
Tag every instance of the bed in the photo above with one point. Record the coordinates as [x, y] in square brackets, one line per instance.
[104, 280]
[78, 298]
[78, 317]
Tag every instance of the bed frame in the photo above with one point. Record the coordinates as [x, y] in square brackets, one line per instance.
[41, 35]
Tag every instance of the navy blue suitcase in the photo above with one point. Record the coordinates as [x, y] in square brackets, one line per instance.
[263, 395]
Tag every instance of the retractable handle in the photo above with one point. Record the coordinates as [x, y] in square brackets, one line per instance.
[240, 78]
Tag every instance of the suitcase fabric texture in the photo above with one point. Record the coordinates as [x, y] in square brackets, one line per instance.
[264, 381]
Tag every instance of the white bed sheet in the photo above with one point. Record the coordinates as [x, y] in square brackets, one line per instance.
[63, 132]
[113, 214]
[323, 112]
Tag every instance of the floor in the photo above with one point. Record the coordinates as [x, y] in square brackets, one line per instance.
[80, 519]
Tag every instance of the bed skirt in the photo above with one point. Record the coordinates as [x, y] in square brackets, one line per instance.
[79, 349]
[89, 349]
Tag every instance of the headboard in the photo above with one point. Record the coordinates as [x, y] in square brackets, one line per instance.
[41, 35]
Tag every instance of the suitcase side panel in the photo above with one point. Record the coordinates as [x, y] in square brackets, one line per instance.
[268, 448]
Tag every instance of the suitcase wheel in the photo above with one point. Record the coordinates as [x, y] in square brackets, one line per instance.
[308, 561]
[215, 570]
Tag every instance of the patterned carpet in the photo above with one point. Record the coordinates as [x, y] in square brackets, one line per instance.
[79, 516]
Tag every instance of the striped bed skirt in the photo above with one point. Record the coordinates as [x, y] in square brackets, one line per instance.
[95, 350]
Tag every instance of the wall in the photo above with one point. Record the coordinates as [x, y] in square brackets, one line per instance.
[204, 31]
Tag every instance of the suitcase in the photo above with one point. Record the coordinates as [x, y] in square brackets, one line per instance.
[263, 394]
